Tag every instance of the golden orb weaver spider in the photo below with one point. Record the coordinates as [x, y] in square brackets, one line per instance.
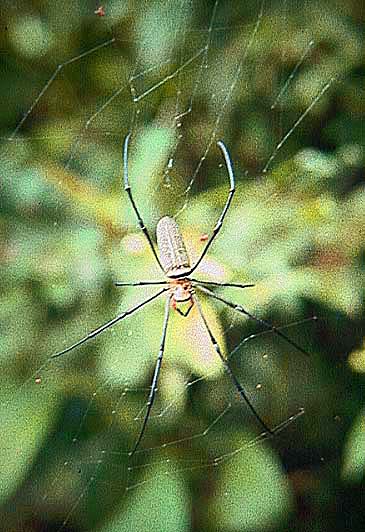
[173, 260]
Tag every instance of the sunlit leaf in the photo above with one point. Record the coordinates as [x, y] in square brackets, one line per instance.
[353, 467]
[253, 492]
[151, 510]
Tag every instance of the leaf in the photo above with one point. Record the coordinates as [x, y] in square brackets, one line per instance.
[253, 492]
[161, 505]
[353, 468]
[26, 417]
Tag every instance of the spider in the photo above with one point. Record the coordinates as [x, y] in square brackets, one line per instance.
[180, 288]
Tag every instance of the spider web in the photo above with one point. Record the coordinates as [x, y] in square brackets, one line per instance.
[177, 79]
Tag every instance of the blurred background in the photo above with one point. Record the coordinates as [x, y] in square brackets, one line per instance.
[281, 83]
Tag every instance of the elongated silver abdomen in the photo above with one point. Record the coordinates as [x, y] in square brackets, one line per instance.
[173, 255]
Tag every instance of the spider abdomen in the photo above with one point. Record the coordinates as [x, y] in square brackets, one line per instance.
[173, 255]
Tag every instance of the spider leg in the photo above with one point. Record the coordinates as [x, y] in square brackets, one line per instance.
[267, 331]
[235, 285]
[99, 330]
[156, 374]
[268, 325]
[229, 371]
[127, 188]
[218, 225]
[139, 283]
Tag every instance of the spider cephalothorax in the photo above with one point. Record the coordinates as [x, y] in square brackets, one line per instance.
[179, 287]
[182, 291]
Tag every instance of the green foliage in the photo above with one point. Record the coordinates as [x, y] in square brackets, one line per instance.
[68, 231]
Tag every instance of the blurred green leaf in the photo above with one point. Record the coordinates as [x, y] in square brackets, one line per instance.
[26, 418]
[253, 492]
[353, 468]
[151, 510]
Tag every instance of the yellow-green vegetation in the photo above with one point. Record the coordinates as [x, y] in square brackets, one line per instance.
[68, 231]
